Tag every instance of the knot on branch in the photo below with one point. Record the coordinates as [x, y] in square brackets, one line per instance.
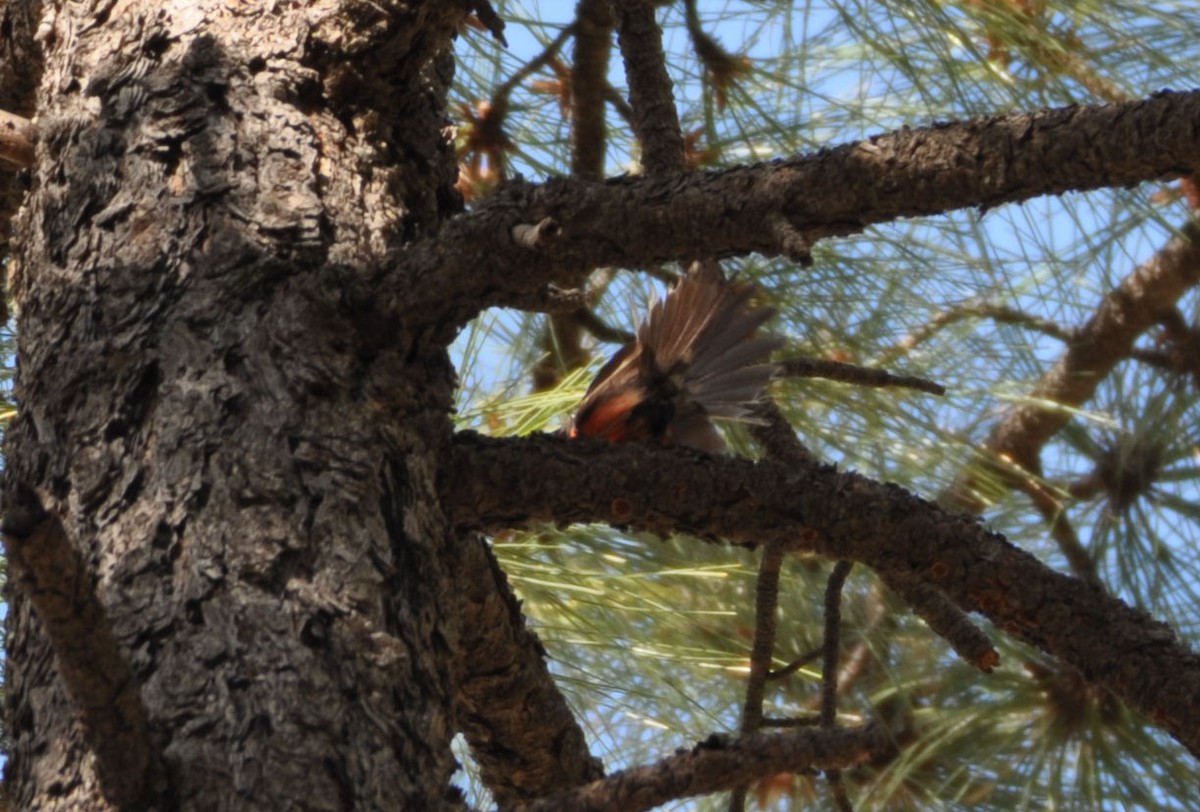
[536, 236]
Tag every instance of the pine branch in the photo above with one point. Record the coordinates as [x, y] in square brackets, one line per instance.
[636, 222]
[494, 483]
[766, 604]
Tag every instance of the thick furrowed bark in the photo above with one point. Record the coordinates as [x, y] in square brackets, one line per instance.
[242, 459]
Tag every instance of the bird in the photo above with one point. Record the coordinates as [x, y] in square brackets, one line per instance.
[697, 355]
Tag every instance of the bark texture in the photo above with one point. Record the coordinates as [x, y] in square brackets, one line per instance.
[238, 451]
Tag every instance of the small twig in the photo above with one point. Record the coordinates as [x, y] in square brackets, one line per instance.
[504, 89]
[838, 790]
[829, 668]
[1055, 515]
[1167, 360]
[810, 656]
[765, 604]
[944, 618]
[812, 720]
[491, 20]
[1178, 350]
[851, 669]
[624, 108]
[851, 373]
[1164, 360]
[600, 329]
[1001, 314]
[832, 643]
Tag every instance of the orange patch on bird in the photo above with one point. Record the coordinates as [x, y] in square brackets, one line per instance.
[773, 789]
[609, 418]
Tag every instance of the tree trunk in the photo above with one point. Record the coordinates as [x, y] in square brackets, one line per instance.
[226, 455]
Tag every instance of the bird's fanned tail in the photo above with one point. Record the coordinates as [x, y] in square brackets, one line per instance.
[697, 356]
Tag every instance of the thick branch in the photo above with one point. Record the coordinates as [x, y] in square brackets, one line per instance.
[637, 222]
[507, 483]
[716, 766]
[96, 676]
[524, 737]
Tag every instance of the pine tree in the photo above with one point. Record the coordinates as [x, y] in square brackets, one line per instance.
[300, 291]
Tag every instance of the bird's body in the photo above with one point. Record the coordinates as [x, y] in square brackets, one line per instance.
[697, 356]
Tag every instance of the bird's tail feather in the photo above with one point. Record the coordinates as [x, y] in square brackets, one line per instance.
[704, 338]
